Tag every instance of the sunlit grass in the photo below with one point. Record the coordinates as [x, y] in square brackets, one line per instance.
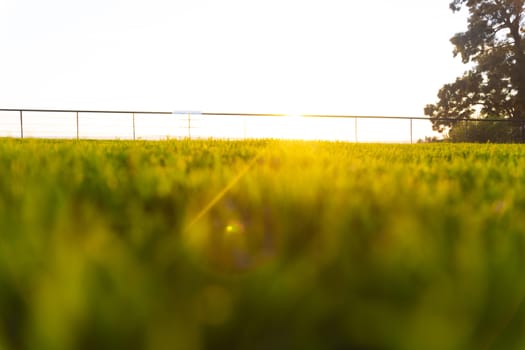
[261, 244]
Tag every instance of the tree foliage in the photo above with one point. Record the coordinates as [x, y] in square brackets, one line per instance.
[493, 46]
[483, 131]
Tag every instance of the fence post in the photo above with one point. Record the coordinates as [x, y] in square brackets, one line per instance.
[78, 137]
[21, 125]
[133, 117]
[411, 137]
[355, 129]
[189, 125]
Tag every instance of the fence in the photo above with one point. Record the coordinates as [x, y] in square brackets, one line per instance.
[489, 130]
[133, 125]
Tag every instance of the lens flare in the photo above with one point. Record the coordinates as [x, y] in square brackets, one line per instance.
[234, 227]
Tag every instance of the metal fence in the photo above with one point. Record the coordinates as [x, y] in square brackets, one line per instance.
[488, 130]
[135, 125]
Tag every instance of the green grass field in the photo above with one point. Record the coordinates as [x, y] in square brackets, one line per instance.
[261, 245]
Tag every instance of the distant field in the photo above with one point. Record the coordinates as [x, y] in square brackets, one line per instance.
[261, 245]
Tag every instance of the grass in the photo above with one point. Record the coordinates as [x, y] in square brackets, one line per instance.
[261, 244]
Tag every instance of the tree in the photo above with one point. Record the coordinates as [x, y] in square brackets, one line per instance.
[493, 45]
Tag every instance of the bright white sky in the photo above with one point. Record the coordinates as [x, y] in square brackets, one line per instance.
[380, 57]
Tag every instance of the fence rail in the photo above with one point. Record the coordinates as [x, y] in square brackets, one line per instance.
[186, 123]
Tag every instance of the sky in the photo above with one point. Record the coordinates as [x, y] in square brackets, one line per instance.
[352, 57]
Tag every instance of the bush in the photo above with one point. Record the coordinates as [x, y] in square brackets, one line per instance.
[479, 131]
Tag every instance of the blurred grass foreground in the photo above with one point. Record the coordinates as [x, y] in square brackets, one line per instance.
[261, 245]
